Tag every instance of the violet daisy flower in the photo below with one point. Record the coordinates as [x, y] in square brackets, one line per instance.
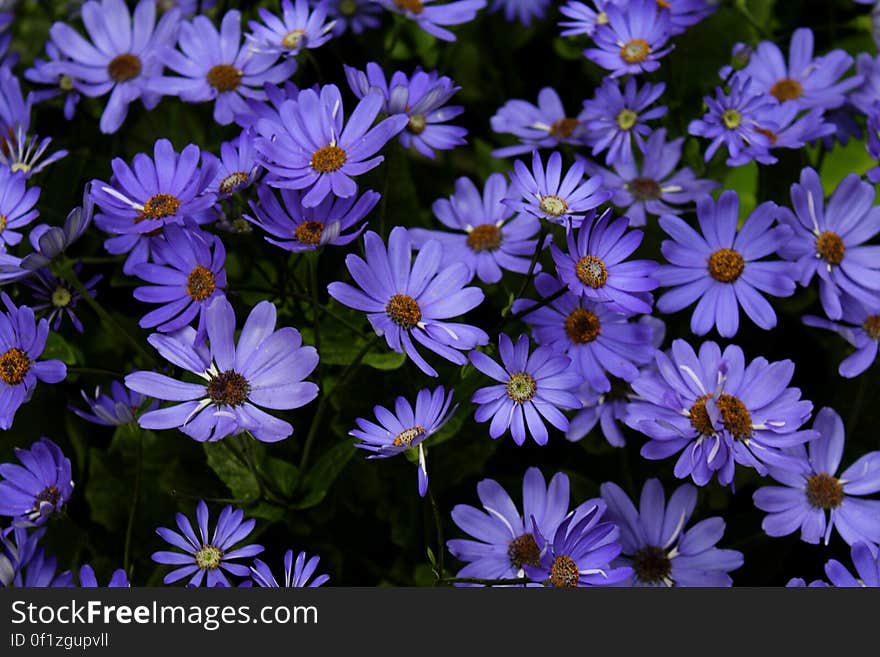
[829, 241]
[521, 10]
[530, 387]
[600, 342]
[25, 154]
[354, 15]
[15, 109]
[237, 166]
[118, 408]
[608, 410]
[39, 487]
[266, 369]
[614, 118]
[860, 326]
[656, 545]
[208, 554]
[22, 340]
[488, 237]
[503, 539]
[813, 499]
[49, 242]
[685, 13]
[584, 19]
[310, 150]
[595, 267]
[653, 186]
[24, 563]
[406, 301]
[723, 267]
[296, 575]
[549, 195]
[421, 97]
[126, 54]
[217, 66]
[56, 296]
[295, 29]
[717, 411]
[406, 428]
[50, 72]
[149, 195]
[866, 560]
[545, 125]
[17, 205]
[632, 40]
[868, 92]
[88, 579]
[431, 16]
[295, 227]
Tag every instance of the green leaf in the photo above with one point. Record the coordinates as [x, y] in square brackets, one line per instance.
[58, 347]
[325, 471]
[228, 465]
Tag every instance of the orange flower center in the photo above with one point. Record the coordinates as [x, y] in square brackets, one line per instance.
[485, 237]
[327, 159]
[726, 265]
[224, 77]
[591, 271]
[200, 283]
[635, 51]
[787, 89]
[309, 232]
[14, 365]
[830, 247]
[404, 311]
[582, 326]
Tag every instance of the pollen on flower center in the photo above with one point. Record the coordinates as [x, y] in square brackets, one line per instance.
[233, 182]
[485, 237]
[564, 572]
[224, 77]
[644, 189]
[664, 4]
[635, 51]
[734, 416]
[404, 311]
[159, 206]
[824, 491]
[731, 118]
[787, 89]
[830, 247]
[553, 205]
[417, 124]
[726, 265]
[200, 283]
[14, 365]
[65, 83]
[521, 387]
[626, 119]
[228, 388]
[292, 39]
[61, 297]
[872, 326]
[413, 6]
[309, 232]
[582, 326]
[327, 159]
[523, 551]
[209, 557]
[563, 128]
[124, 67]
[3, 220]
[50, 494]
[406, 436]
[591, 271]
[651, 565]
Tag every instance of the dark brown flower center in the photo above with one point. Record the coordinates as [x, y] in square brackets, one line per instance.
[224, 77]
[521, 387]
[734, 415]
[644, 189]
[485, 237]
[635, 51]
[563, 128]
[564, 572]
[413, 6]
[582, 326]
[159, 206]
[406, 436]
[523, 551]
[50, 494]
[872, 326]
[124, 67]
[591, 271]
[417, 124]
[327, 159]
[14, 365]
[233, 182]
[726, 265]
[651, 565]
[824, 491]
[200, 283]
[309, 232]
[830, 247]
[404, 311]
[228, 388]
[787, 89]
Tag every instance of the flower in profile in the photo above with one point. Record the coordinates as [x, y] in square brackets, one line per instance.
[830, 241]
[208, 557]
[237, 166]
[217, 66]
[860, 326]
[24, 562]
[595, 265]
[488, 238]
[17, 205]
[39, 487]
[22, 340]
[296, 574]
[583, 19]
[295, 227]
[310, 150]
[57, 297]
[614, 118]
[545, 125]
[503, 540]
[521, 10]
[632, 40]
[432, 17]
[126, 53]
[867, 93]
[191, 277]
[49, 242]
[531, 388]
[422, 98]
[723, 267]
[652, 186]
[295, 29]
[407, 301]
[656, 545]
[354, 15]
[266, 369]
[546, 194]
[118, 408]
[814, 499]
[406, 428]
[88, 579]
[717, 411]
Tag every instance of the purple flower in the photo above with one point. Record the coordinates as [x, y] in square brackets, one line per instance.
[203, 555]
[23, 153]
[354, 15]
[266, 369]
[866, 559]
[549, 195]
[296, 575]
[217, 66]
[406, 301]
[657, 547]
[50, 72]
[237, 167]
[431, 17]
[310, 150]
[868, 92]
[296, 227]
[860, 327]
[118, 408]
[521, 10]
[530, 387]
[723, 267]
[58, 297]
[126, 53]
[15, 110]
[632, 40]
[614, 119]
[39, 487]
[545, 125]
[406, 428]
[813, 499]
[23, 561]
[488, 237]
[608, 410]
[87, 578]
[17, 205]
[685, 13]
[595, 266]
[654, 186]
[49, 242]
[22, 340]
[829, 241]
[295, 29]
[584, 18]
[421, 97]
[717, 411]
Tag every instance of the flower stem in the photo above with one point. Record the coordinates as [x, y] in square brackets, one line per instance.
[135, 497]
[438, 526]
[539, 247]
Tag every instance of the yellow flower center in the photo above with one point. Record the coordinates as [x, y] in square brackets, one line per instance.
[726, 265]
[403, 311]
[309, 232]
[327, 159]
[582, 326]
[200, 283]
[224, 77]
[591, 271]
[14, 365]
[635, 51]
[787, 89]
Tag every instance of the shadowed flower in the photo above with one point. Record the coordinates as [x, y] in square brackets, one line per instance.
[295, 29]
[354, 15]
[57, 296]
[237, 166]
[120, 407]
[632, 39]
[545, 125]
[88, 580]
[432, 16]
[39, 487]
[296, 575]
[24, 563]
[860, 326]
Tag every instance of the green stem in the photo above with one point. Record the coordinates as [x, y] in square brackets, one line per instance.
[546, 301]
[438, 526]
[135, 498]
[539, 247]
[740, 6]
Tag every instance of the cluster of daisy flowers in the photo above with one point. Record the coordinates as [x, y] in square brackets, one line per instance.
[580, 347]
